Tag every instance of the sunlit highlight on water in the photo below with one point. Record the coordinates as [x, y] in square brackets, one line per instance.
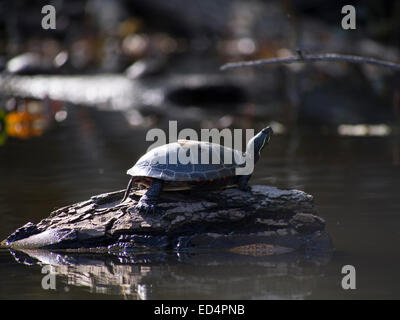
[364, 130]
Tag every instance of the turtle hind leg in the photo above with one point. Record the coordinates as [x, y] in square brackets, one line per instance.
[128, 189]
[243, 182]
[148, 201]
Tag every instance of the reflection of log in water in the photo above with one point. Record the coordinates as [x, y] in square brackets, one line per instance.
[172, 276]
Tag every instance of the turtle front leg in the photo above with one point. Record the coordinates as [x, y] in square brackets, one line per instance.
[148, 201]
[243, 182]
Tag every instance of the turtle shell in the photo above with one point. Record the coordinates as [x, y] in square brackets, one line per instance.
[188, 160]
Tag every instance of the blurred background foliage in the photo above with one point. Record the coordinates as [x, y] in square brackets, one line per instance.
[160, 40]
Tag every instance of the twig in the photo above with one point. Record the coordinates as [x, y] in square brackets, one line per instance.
[301, 57]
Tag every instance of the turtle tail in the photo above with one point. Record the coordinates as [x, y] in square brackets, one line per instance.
[128, 189]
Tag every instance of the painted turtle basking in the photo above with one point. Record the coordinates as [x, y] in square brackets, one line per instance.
[189, 164]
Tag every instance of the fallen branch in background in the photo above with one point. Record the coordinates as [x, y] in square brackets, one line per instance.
[301, 57]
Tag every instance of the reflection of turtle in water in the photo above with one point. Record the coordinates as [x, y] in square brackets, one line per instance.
[188, 164]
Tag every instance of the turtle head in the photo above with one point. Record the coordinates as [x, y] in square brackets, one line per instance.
[258, 142]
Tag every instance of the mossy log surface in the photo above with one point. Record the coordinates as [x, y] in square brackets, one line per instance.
[265, 220]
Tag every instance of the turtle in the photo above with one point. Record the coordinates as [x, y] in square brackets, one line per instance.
[173, 167]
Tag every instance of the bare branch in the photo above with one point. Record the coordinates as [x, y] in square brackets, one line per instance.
[312, 58]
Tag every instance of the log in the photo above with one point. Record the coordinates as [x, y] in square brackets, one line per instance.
[263, 221]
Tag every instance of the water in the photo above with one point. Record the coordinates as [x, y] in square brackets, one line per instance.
[355, 182]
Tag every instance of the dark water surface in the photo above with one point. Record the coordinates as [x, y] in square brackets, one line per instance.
[354, 180]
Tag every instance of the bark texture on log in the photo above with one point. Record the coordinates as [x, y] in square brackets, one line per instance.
[265, 220]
